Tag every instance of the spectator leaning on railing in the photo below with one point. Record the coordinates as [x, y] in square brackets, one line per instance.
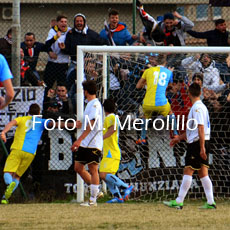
[217, 37]
[173, 26]
[57, 62]
[28, 77]
[205, 65]
[31, 50]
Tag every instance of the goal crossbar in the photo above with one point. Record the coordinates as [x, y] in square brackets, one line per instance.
[148, 49]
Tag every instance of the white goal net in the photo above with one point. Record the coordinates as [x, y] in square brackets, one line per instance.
[154, 168]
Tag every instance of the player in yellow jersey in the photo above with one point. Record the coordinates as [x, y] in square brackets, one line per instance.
[112, 155]
[157, 80]
[23, 149]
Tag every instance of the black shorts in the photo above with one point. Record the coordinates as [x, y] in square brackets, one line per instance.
[87, 155]
[193, 158]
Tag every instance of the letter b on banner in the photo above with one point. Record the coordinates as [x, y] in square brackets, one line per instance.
[60, 153]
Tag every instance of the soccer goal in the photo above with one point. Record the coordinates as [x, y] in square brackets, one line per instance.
[153, 167]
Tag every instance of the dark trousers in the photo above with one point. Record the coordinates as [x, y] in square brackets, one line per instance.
[55, 72]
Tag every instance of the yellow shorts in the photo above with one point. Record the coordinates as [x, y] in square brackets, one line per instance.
[162, 110]
[18, 161]
[109, 165]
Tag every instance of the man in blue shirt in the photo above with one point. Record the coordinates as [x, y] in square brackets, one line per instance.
[5, 79]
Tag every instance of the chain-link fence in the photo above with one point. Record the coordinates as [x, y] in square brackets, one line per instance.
[154, 168]
[38, 17]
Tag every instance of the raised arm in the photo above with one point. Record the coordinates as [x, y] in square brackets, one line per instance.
[187, 23]
[52, 37]
[215, 82]
[7, 128]
[191, 63]
[195, 34]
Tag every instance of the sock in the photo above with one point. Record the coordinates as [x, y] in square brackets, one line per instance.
[17, 183]
[207, 185]
[112, 179]
[172, 118]
[114, 190]
[7, 178]
[143, 130]
[94, 189]
[184, 187]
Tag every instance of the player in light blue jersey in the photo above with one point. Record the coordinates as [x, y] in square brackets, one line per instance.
[23, 149]
[157, 80]
[5, 79]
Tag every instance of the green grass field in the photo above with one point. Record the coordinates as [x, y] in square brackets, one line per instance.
[128, 216]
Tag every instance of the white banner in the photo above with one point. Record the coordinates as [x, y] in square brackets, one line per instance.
[24, 97]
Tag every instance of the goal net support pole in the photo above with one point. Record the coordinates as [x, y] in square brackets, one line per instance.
[80, 108]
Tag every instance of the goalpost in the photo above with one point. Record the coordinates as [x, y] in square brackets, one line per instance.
[165, 183]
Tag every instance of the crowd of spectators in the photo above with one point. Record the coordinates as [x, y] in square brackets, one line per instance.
[211, 72]
[171, 29]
